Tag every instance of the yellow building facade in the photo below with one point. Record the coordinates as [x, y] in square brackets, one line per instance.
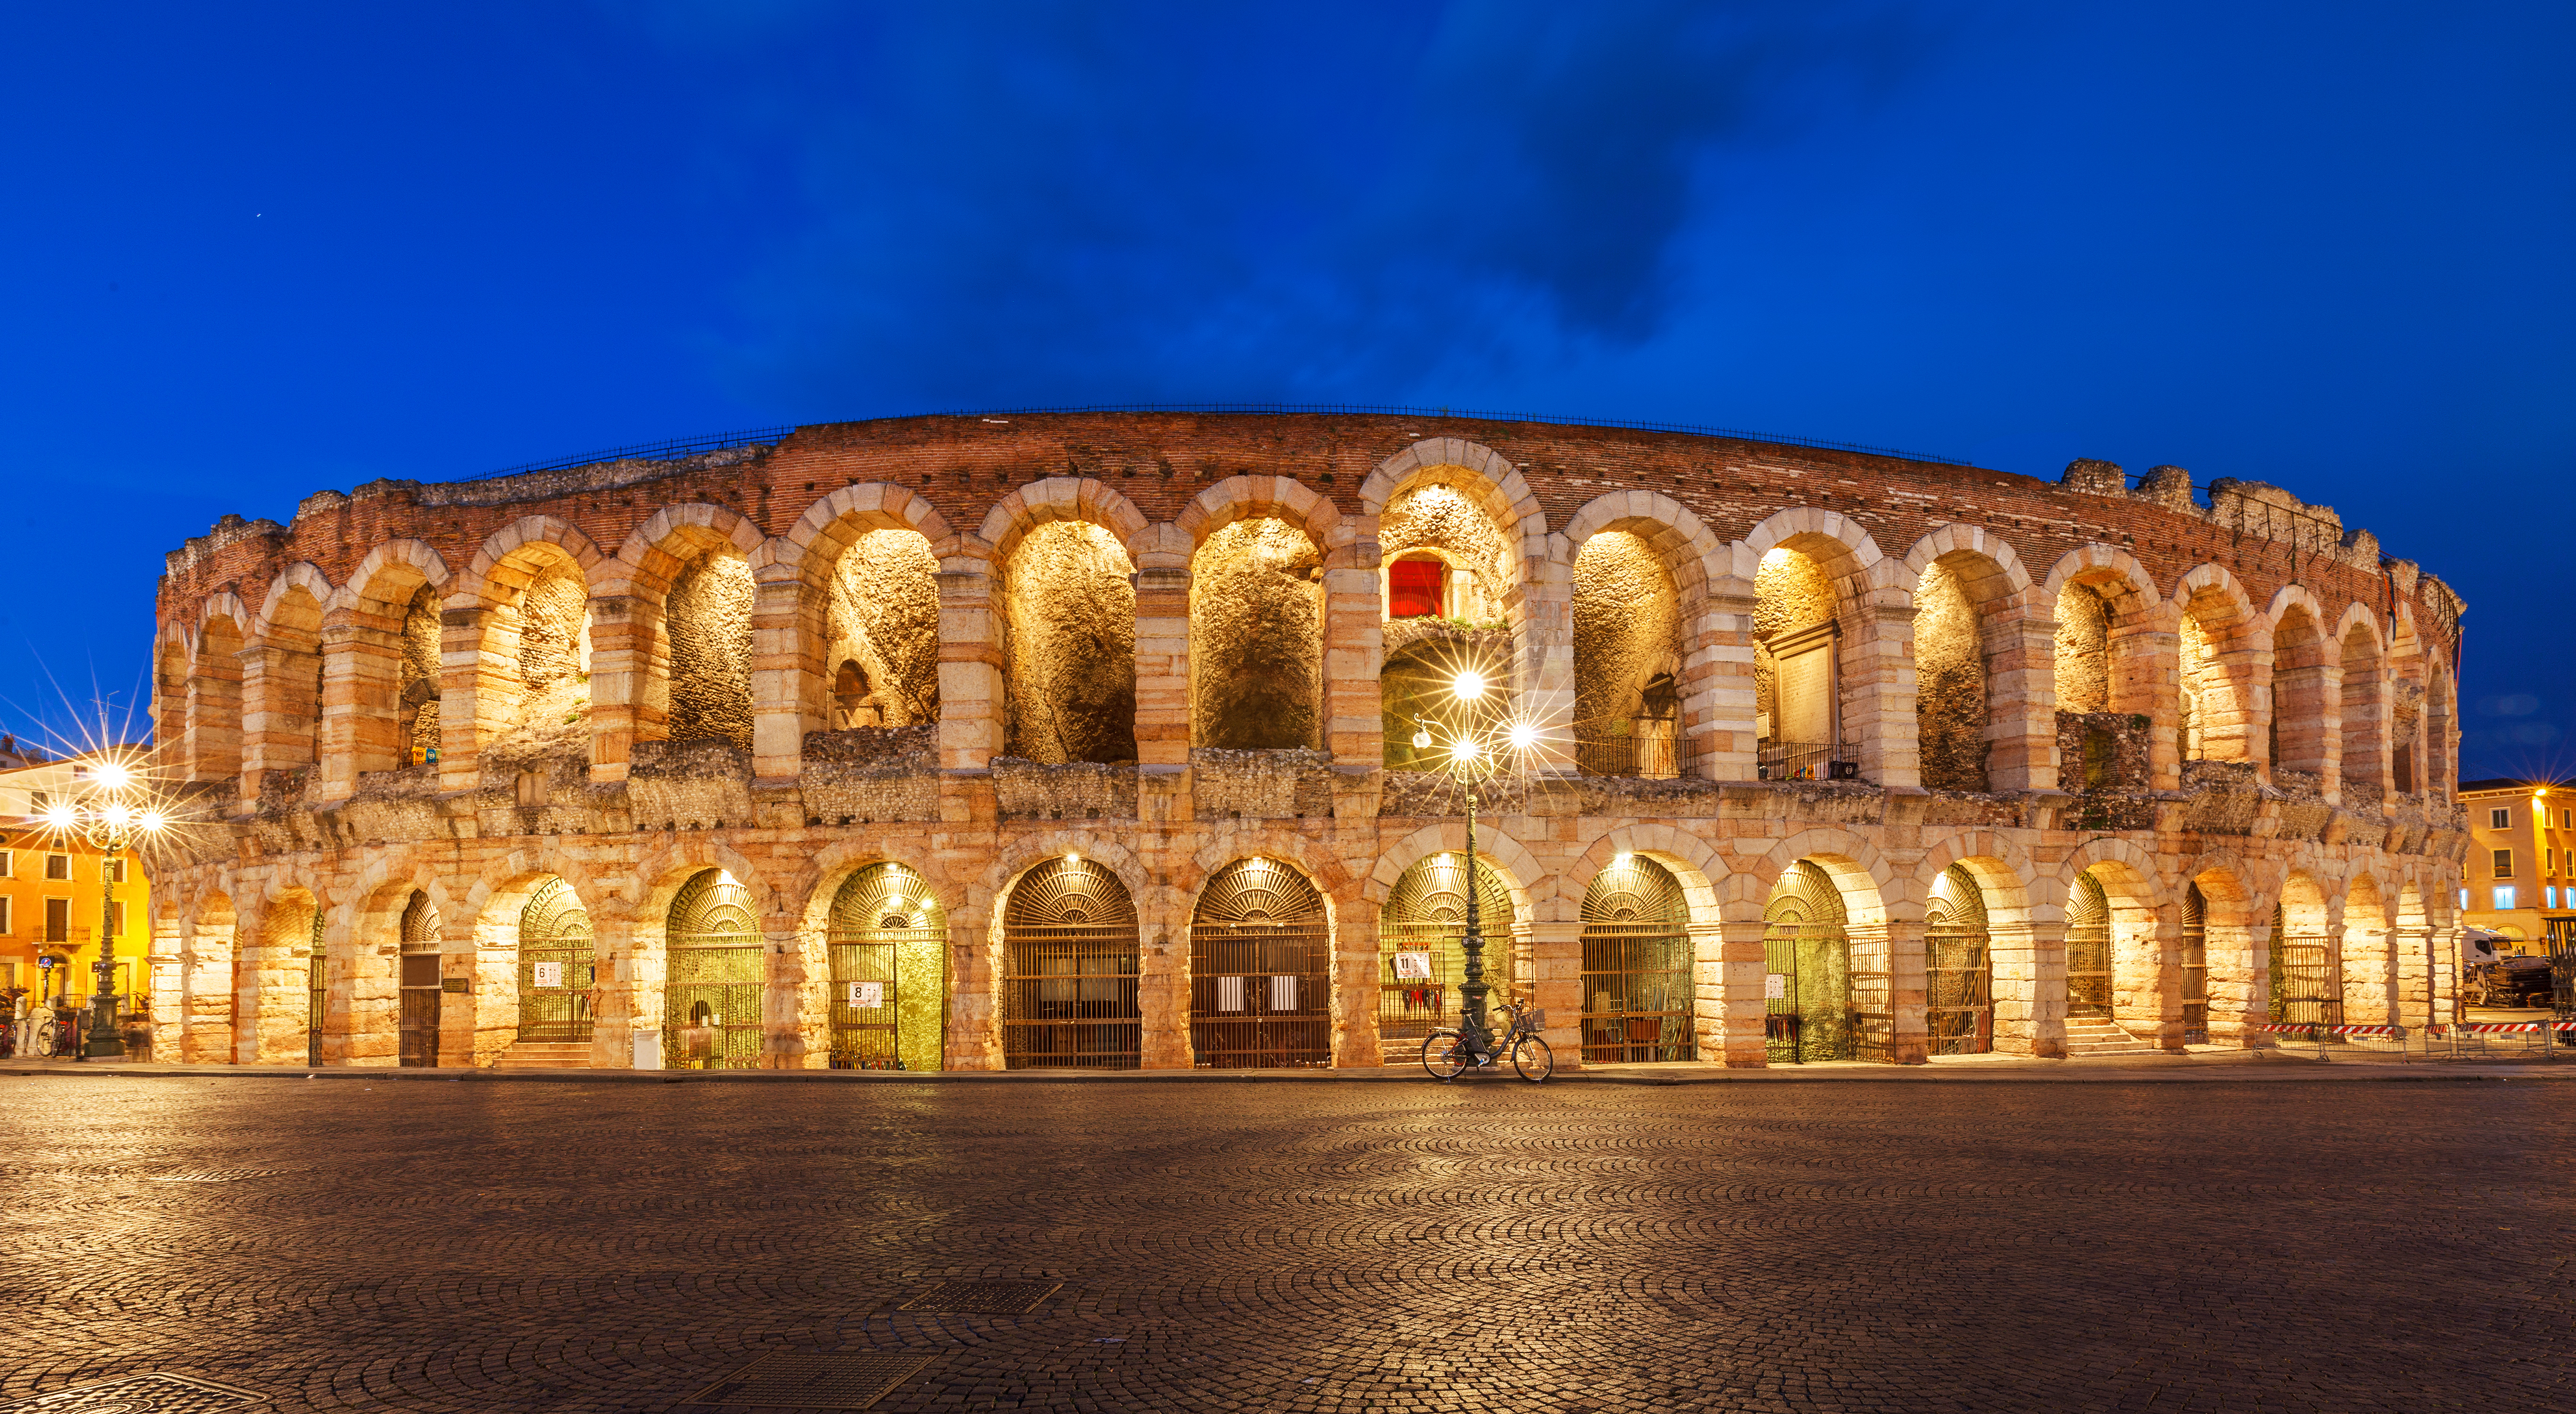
[50, 895]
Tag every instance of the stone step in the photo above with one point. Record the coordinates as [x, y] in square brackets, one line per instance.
[2093, 1036]
[545, 1055]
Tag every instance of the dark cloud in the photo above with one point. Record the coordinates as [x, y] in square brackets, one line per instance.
[1032, 204]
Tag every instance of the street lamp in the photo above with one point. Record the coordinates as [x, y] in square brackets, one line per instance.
[1471, 753]
[114, 814]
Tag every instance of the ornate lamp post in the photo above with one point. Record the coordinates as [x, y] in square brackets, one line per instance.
[113, 814]
[1472, 754]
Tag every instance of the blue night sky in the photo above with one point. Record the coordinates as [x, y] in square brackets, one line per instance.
[255, 251]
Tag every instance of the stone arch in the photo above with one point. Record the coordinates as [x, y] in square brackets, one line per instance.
[1879, 933]
[2304, 706]
[671, 635]
[498, 571]
[976, 1010]
[2237, 939]
[1701, 871]
[282, 678]
[524, 606]
[210, 985]
[864, 562]
[1061, 498]
[1281, 498]
[1460, 503]
[1530, 883]
[1067, 592]
[2362, 718]
[275, 983]
[2019, 902]
[2409, 747]
[1985, 718]
[2370, 988]
[381, 666]
[1833, 683]
[2226, 656]
[2114, 640]
[215, 718]
[1256, 624]
[2145, 985]
[2441, 732]
[366, 960]
[642, 968]
[1641, 566]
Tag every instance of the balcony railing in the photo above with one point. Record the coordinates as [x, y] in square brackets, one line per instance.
[1804, 761]
[1653, 750]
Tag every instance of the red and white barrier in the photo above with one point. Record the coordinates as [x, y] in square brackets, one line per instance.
[2501, 1028]
[2301, 1028]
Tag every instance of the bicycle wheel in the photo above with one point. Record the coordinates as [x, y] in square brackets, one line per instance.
[1444, 1054]
[1532, 1058]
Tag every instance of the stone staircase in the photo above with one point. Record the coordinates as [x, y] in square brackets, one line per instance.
[2099, 1036]
[545, 1055]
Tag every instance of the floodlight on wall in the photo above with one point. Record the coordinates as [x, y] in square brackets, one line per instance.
[1468, 684]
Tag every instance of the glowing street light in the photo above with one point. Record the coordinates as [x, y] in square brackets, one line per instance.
[1470, 760]
[113, 814]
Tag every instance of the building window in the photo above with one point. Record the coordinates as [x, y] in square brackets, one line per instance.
[8, 863]
[2504, 898]
[115, 871]
[1414, 589]
[2464, 900]
[58, 920]
[58, 866]
[2500, 819]
[2549, 897]
[7, 924]
[2504, 864]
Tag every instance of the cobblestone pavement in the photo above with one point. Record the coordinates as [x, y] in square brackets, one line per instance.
[2235, 1244]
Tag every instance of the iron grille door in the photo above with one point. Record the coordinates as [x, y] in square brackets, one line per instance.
[317, 992]
[1637, 974]
[2088, 949]
[1426, 914]
[2195, 967]
[556, 965]
[418, 1045]
[888, 939]
[1069, 939]
[1959, 979]
[712, 996]
[2303, 985]
[1807, 965]
[1260, 984]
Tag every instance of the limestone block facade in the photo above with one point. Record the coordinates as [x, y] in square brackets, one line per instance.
[2232, 722]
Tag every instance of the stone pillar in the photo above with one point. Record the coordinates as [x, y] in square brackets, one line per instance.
[214, 717]
[626, 1004]
[366, 991]
[970, 666]
[2240, 730]
[2029, 961]
[206, 995]
[494, 1005]
[785, 985]
[1163, 980]
[627, 657]
[165, 971]
[1556, 984]
[1543, 654]
[2240, 980]
[974, 1039]
[2021, 695]
[1356, 978]
[1878, 694]
[2146, 678]
[279, 712]
[1354, 652]
[1907, 987]
[1163, 697]
[361, 700]
[478, 680]
[2309, 704]
[782, 662]
[1718, 702]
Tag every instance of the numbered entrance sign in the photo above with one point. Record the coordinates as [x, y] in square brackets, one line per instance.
[1413, 967]
[867, 996]
[1775, 986]
[549, 974]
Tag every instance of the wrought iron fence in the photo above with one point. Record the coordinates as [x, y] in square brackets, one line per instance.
[1803, 761]
[1656, 751]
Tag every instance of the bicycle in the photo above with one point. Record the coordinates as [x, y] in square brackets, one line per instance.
[1446, 1054]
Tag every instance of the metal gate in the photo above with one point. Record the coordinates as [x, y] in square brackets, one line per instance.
[1422, 929]
[1637, 974]
[1810, 997]
[556, 965]
[2088, 949]
[420, 944]
[889, 944]
[317, 992]
[2305, 990]
[2195, 967]
[1958, 968]
[1069, 940]
[1260, 971]
[711, 998]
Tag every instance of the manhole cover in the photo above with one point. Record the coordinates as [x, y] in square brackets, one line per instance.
[138, 1394]
[983, 1298]
[812, 1379]
[214, 1176]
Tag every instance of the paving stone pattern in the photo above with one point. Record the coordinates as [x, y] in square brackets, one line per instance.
[2252, 1245]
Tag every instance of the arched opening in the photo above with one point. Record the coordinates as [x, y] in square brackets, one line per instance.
[1069, 946]
[170, 705]
[421, 945]
[2406, 711]
[2083, 661]
[2194, 965]
[1416, 685]
[532, 693]
[707, 621]
[1954, 714]
[1627, 660]
[889, 943]
[213, 984]
[881, 617]
[1638, 972]
[2364, 694]
[2306, 988]
[711, 995]
[2089, 983]
[1260, 970]
[1436, 524]
[2441, 730]
[215, 702]
[1822, 1000]
[2369, 978]
[283, 1024]
[1069, 629]
[317, 993]
[558, 971]
[2204, 695]
[2302, 719]
[1958, 967]
[1422, 954]
[1256, 639]
[2109, 678]
[1797, 692]
[282, 693]
[416, 710]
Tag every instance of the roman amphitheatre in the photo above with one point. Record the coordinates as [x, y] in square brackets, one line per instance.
[1086, 739]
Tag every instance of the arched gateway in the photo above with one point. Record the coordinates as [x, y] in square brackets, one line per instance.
[1260, 983]
[1069, 944]
[889, 944]
[711, 1002]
